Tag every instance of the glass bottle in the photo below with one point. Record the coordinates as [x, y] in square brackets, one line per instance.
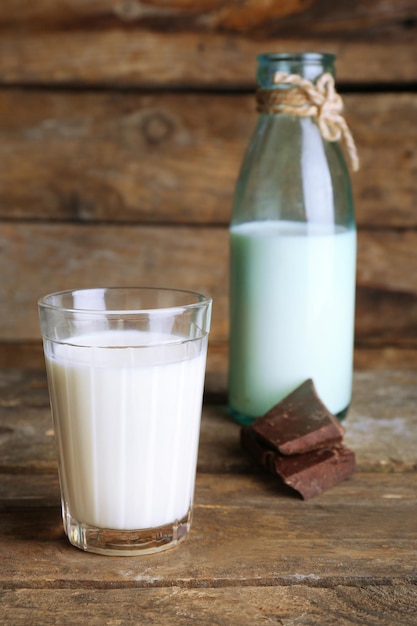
[293, 257]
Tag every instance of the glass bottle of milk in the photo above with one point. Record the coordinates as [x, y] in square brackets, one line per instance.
[293, 252]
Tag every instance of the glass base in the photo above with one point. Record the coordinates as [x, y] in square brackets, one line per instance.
[126, 542]
[247, 420]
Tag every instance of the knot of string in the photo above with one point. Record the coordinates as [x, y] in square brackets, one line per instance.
[319, 101]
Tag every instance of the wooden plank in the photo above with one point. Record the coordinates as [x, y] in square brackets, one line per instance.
[202, 60]
[211, 43]
[381, 426]
[388, 358]
[41, 258]
[41, 490]
[19, 387]
[28, 354]
[126, 157]
[301, 603]
[193, 258]
[119, 157]
[357, 16]
[246, 531]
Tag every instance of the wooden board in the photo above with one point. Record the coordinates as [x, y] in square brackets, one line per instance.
[387, 358]
[246, 530]
[212, 43]
[174, 158]
[256, 552]
[319, 16]
[303, 603]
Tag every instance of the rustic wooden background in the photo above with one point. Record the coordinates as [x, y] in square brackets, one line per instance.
[122, 127]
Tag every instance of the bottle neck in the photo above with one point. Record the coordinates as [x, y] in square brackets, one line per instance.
[309, 65]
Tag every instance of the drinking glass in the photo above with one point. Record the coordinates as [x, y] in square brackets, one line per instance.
[125, 371]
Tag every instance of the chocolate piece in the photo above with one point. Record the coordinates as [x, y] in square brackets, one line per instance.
[257, 450]
[299, 423]
[313, 472]
[299, 441]
[309, 474]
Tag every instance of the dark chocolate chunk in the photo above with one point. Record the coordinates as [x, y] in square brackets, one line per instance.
[313, 472]
[257, 450]
[310, 473]
[299, 423]
[299, 441]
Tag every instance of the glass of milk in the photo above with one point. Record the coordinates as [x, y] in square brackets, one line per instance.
[126, 373]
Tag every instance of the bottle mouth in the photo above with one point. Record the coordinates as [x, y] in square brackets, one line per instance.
[294, 57]
[309, 65]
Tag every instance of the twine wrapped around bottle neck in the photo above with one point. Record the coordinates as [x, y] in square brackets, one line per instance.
[319, 101]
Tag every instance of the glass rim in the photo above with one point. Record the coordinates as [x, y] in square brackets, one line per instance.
[314, 57]
[201, 300]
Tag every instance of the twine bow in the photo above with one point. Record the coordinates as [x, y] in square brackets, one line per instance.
[319, 101]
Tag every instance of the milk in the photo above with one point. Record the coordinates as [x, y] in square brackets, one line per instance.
[127, 425]
[292, 313]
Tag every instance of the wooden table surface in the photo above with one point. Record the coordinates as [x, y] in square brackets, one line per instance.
[256, 554]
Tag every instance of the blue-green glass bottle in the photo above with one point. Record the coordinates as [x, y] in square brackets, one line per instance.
[292, 256]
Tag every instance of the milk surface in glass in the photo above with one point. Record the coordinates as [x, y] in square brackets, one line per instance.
[293, 291]
[127, 422]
